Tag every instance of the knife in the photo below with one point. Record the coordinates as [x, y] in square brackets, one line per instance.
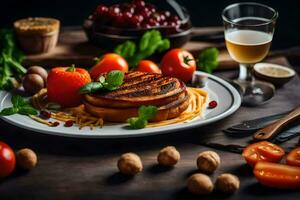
[258, 123]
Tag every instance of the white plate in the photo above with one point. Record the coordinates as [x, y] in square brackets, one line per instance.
[227, 97]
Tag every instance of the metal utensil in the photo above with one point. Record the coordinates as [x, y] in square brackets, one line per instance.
[257, 123]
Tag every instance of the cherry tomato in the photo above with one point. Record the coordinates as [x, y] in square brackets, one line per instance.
[7, 160]
[148, 66]
[262, 151]
[293, 158]
[178, 63]
[109, 62]
[277, 175]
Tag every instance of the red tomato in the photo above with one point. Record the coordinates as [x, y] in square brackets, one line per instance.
[7, 160]
[148, 66]
[107, 63]
[293, 158]
[178, 63]
[277, 175]
[262, 151]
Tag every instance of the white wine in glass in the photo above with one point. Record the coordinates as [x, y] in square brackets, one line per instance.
[249, 29]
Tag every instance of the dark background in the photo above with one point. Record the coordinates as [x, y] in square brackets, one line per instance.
[203, 13]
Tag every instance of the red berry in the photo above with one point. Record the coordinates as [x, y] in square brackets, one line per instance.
[114, 11]
[167, 14]
[101, 10]
[127, 7]
[136, 20]
[156, 17]
[69, 123]
[212, 104]
[151, 8]
[139, 3]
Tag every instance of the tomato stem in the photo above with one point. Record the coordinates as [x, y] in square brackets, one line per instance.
[186, 59]
[71, 68]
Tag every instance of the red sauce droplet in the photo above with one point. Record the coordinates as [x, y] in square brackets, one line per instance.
[212, 104]
[45, 114]
[69, 123]
[54, 124]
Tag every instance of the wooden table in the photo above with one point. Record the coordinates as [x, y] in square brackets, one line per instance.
[86, 169]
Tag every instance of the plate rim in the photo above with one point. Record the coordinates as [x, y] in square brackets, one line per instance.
[235, 104]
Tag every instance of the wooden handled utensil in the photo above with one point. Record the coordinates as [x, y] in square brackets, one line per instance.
[274, 129]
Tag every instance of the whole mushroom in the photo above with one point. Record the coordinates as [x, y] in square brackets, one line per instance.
[35, 79]
[38, 70]
[130, 164]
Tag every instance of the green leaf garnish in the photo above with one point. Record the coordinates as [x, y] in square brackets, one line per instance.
[208, 60]
[10, 60]
[91, 88]
[112, 81]
[8, 111]
[150, 43]
[27, 110]
[145, 113]
[20, 106]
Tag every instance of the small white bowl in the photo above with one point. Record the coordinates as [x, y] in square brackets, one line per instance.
[273, 73]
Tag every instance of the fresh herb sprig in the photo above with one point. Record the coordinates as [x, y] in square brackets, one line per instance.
[111, 81]
[208, 60]
[10, 60]
[20, 106]
[150, 43]
[145, 113]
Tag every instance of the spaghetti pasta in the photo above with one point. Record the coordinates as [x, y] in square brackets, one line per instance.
[198, 100]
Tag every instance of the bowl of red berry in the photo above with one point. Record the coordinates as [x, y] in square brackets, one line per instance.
[110, 25]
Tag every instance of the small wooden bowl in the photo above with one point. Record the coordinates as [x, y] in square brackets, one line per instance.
[37, 34]
[273, 73]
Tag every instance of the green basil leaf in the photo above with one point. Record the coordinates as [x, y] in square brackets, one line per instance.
[208, 60]
[18, 101]
[90, 88]
[165, 45]
[114, 79]
[27, 110]
[8, 111]
[144, 42]
[137, 123]
[147, 112]
[126, 49]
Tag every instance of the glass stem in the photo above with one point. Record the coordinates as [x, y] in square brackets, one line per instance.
[246, 72]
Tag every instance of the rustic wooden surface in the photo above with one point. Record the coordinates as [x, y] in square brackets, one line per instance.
[86, 168]
[73, 47]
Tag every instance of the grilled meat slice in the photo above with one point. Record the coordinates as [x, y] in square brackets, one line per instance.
[168, 111]
[140, 88]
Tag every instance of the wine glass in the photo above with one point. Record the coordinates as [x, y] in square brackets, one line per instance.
[249, 29]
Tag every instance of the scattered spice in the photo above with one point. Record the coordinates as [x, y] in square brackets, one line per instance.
[212, 104]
